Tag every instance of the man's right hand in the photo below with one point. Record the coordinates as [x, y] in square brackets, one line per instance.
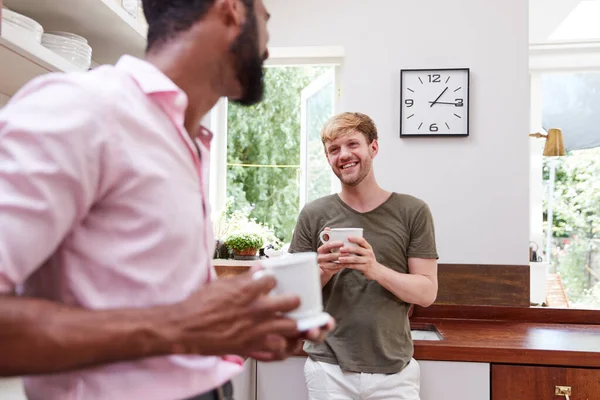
[327, 254]
[236, 316]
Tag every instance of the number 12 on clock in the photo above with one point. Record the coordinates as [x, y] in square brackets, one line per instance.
[434, 102]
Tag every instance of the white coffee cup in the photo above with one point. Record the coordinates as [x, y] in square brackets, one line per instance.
[298, 274]
[341, 235]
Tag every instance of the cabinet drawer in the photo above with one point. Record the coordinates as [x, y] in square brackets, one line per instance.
[515, 382]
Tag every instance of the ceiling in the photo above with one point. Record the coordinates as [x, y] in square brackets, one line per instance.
[563, 20]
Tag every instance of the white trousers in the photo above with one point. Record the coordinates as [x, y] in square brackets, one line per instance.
[328, 382]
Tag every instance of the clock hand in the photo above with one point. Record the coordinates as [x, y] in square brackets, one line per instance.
[441, 94]
[441, 102]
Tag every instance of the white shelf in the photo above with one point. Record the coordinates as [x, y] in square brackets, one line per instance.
[109, 29]
[23, 60]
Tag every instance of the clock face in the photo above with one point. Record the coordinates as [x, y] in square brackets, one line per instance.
[434, 102]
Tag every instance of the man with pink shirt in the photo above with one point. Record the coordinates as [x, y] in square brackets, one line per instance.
[104, 221]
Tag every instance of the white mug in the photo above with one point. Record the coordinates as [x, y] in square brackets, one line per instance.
[298, 274]
[341, 235]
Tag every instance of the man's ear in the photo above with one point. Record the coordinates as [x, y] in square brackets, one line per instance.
[374, 146]
[232, 12]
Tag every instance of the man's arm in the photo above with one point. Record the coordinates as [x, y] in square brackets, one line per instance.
[228, 316]
[419, 286]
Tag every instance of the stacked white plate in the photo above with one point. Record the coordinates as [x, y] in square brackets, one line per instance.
[70, 46]
[27, 27]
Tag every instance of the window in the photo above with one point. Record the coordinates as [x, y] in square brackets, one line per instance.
[566, 208]
[275, 161]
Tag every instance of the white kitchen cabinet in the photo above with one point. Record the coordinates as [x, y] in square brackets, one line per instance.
[443, 380]
[11, 389]
[440, 380]
[244, 385]
[282, 380]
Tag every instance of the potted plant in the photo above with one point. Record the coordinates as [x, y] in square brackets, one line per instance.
[244, 244]
[233, 224]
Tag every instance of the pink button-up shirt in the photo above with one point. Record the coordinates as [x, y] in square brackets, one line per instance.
[103, 205]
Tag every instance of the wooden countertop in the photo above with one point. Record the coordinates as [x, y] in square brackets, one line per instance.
[511, 342]
[516, 335]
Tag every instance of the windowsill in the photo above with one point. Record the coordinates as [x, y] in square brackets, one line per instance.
[217, 262]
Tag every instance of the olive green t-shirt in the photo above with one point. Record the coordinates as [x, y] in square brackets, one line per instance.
[373, 332]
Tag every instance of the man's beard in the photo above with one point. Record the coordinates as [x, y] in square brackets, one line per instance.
[249, 64]
[362, 174]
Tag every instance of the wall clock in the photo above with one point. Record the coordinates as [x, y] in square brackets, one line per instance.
[434, 102]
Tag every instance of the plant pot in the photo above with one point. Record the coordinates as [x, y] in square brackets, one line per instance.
[245, 252]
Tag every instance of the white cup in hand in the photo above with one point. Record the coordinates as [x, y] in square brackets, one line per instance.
[340, 235]
[298, 274]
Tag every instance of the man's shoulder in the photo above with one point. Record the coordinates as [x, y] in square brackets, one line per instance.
[99, 87]
[408, 202]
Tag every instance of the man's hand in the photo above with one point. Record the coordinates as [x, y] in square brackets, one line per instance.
[327, 255]
[236, 316]
[318, 334]
[361, 258]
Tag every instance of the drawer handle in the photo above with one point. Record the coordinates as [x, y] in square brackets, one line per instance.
[564, 391]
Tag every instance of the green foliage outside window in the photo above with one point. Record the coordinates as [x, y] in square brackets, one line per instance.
[268, 134]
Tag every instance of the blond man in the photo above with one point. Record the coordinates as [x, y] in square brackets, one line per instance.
[369, 288]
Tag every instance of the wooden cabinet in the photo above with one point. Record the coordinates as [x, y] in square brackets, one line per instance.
[510, 382]
[244, 384]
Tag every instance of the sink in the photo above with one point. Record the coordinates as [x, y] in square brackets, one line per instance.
[425, 332]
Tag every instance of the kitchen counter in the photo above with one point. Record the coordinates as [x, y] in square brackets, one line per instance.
[512, 342]
[512, 335]
[509, 342]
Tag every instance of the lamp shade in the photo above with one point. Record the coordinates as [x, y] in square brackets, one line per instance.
[554, 143]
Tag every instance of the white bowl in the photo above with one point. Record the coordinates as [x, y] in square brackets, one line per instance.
[69, 35]
[77, 58]
[54, 40]
[27, 26]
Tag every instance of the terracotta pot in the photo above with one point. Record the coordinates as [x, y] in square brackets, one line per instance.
[245, 252]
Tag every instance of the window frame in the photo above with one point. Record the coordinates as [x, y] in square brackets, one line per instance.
[543, 59]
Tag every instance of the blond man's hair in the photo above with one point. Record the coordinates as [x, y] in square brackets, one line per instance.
[346, 124]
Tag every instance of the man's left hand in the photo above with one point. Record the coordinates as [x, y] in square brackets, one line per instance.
[360, 257]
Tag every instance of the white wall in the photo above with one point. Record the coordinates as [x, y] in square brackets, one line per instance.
[477, 187]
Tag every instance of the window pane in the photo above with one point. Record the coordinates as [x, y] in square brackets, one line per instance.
[263, 148]
[571, 101]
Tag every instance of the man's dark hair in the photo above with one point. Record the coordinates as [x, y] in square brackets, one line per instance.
[167, 18]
